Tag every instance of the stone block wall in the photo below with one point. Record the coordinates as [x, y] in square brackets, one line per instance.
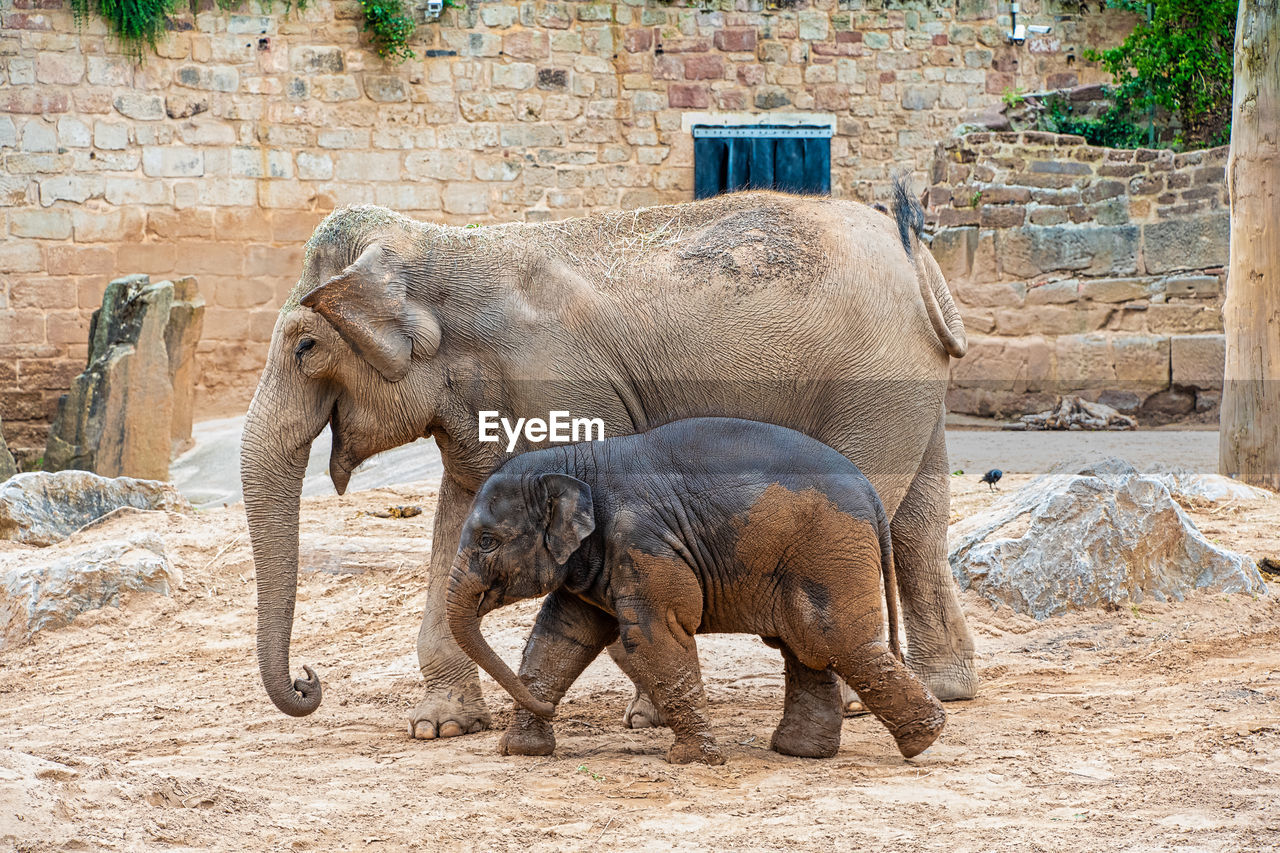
[1083, 269]
[217, 157]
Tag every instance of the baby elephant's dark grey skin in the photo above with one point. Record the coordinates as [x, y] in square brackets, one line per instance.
[709, 524]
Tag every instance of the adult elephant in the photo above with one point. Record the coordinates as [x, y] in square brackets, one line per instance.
[821, 315]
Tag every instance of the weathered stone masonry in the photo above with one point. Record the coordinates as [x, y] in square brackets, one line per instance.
[217, 157]
[1083, 269]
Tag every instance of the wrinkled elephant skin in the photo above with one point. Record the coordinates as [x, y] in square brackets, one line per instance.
[707, 524]
[823, 316]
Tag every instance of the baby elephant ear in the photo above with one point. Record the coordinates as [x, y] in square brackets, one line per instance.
[570, 514]
[368, 306]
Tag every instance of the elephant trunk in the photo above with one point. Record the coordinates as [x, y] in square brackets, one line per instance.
[466, 594]
[273, 459]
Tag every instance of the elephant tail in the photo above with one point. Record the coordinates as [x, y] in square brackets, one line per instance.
[890, 580]
[943, 315]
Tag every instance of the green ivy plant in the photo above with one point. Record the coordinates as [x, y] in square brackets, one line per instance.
[1013, 96]
[139, 24]
[1111, 129]
[1181, 61]
[391, 27]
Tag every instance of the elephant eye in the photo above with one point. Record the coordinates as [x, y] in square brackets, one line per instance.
[487, 542]
[303, 345]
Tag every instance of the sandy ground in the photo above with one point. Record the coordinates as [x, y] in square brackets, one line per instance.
[145, 727]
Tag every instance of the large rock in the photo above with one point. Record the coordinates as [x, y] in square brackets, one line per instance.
[181, 335]
[1106, 535]
[36, 594]
[7, 466]
[40, 508]
[123, 416]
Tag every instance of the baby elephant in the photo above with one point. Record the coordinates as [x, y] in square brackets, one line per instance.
[708, 524]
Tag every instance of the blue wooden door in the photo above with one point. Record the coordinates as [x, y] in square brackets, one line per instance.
[761, 157]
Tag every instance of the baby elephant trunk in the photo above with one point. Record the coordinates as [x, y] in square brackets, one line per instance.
[466, 594]
[900, 700]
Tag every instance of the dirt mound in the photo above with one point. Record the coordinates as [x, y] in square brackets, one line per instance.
[145, 727]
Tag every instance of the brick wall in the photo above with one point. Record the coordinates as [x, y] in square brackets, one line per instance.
[1083, 269]
[217, 157]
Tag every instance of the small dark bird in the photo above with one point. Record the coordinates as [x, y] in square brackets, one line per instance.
[991, 478]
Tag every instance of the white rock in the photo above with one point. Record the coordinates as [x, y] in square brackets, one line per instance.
[38, 594]
[41, 508]
[1105, 535]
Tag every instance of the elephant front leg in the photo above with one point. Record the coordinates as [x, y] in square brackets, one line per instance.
[811, 715]
[453, 704]
[666, 667]
[642, 712]
[568, 635]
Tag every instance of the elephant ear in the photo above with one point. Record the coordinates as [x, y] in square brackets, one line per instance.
[368, 304]
[570, 514]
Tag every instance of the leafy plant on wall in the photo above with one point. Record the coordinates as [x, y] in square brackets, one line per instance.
[390, 28]
[1180, 61]
[139, 24]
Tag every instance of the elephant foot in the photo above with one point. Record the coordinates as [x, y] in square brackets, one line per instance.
[918, 736]
[809, 728]
[532, 737]
[804, 742]
[450, 712]
[687, 752]
[949, 681]
[850, 704]
[643, 714]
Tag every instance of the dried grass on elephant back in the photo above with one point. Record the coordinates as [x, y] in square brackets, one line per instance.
[743, 234]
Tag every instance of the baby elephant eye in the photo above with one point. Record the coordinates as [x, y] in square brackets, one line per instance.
[487, 542]
[303, 345]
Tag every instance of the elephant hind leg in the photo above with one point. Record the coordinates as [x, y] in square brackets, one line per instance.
[939, 646]
[811, 718]
[895, 695]
[847, 635]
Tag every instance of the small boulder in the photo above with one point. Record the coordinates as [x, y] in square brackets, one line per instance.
[1103, 536]
[37, 594]
[40, 508]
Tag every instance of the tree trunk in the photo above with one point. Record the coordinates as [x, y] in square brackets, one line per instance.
[1249, 431]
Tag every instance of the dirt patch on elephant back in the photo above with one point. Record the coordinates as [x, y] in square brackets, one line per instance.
[145, 727]
[753, 248]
